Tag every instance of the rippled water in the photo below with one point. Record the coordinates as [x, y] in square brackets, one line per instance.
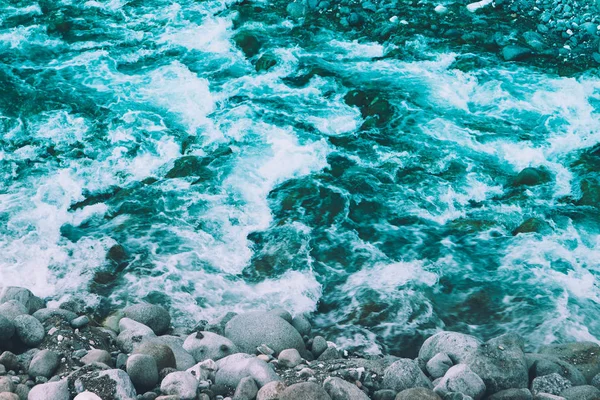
[143, 125]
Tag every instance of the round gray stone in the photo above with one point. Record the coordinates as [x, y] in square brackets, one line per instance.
[29, 330]
[404, 374]
[155, 317]
[304, 391]
[44, 363]
[7, 328]
[180, 383]
[142, 370]
[208, 346]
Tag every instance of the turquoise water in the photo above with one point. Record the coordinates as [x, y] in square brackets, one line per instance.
[143, 125]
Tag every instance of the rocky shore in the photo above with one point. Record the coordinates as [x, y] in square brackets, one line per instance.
[135, 353]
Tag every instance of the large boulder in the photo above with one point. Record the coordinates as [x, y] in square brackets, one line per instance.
[233, 368]
[12, 309]
[183, 359]
[404, 374]
[246, 389]
[339, 389]
[501, 363]
[461, 379]
[417, 394]
[24, 296]
[585, 392]
[153, 316]
[181, 384]
[44, 363]
[112, 384]
[541, 364]
[438, 365]
[250, 330]
[142, 370]
[162, 354]
[7, 329]
[208, 345]
[271, 391]
[50, 391]
[456, 345]
[552, 384]
[585, 356]
[304, 391]
[29, 330]
[131, 333]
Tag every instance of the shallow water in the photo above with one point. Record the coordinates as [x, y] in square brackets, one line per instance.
[288, 196]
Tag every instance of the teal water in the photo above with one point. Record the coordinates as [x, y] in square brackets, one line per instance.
[143, 125]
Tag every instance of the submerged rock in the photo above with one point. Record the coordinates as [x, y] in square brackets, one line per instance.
[248, 43]
[515, 53]
[533, 225]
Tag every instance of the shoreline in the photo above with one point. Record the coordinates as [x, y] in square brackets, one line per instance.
[135, 353]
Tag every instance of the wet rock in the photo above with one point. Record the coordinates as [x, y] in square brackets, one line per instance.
[44, 314]
[302, 325]
[512, 394]
[44, 363]
[6, 384]
[50, 391]
[339, 389]
[417, 394]
[180, 383]
[540, 365]
[387, 394]
[10, 361]
[80, 322]
[585, 356]
[531, 177]
[319, 345]
[461, 379]
[162, 354]
[500, 363]
[183, 359]
[296, 10]
[24, 296]
[585, 392]
[246, 389]
[515, 53]
[207, 345]
[456, 345]
[142, 370]
[7, 328]
[265, 62]
[330, 354]
[289, 358]
[12, 309]
[438, 365]
[304, 391]
[248, 43]
[533, 225]
[153, 316]
[404, 374]
[271, 391]
[248, 331]
[233, 368]
[97, 356]
[552, 384]
[131, 333]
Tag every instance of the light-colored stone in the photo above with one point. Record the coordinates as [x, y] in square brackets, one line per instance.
[439, 365]
[461, 379]
[208, 345]
[132, 333]
[87, 396]
[180, 383]
[246, 389]
[24, 296]
[304, 391]
[289, 358]
[405, 374]
[552, 384]
[456, 345]
[153, 316]
[97, 355]
[271, 391]
[233, 368]
[50, 391]
[339, 389]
